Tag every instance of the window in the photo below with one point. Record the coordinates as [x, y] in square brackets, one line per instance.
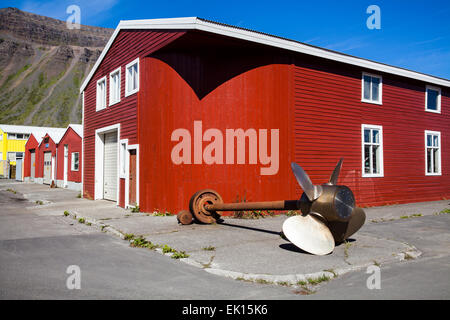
[433, 99]
[75, 161]
[101, 94]
[371, 88]
[132, 77]
[19, 155]
[11, 136]
[19, 136]
[11, 156]
[372, 151]
[114, 87]
[432, 153]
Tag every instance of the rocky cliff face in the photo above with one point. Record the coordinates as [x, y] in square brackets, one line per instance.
[42, 65]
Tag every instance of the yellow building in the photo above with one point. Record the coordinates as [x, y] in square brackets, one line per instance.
[12, 144]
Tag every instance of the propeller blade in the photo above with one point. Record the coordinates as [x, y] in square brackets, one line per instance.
[309, 233]
[335, 175]
[311, 191]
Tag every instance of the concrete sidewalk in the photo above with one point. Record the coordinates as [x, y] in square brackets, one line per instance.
[244, 249]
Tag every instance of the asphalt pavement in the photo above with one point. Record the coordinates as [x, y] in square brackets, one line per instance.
[43, 231]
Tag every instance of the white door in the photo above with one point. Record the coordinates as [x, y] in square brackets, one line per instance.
[33, 165]
[110, 167]
[66, 163]
[47, 167]
[19, 162]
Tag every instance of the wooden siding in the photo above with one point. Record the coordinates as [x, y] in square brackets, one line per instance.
[317, 106]
[73, 141]
[224, 90]
[328, 118]
[227, 84]
[128, 45]
[44, 147]
[32, 144]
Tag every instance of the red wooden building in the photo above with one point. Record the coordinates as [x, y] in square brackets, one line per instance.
[173, 106]
[68, 158]
[54, 155]
[31, 158]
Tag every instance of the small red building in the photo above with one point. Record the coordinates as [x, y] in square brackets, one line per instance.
[173, 106]
[31, 158]
[55, 156]
[69, 164]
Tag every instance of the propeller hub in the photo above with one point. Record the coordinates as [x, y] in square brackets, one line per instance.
[336, 203]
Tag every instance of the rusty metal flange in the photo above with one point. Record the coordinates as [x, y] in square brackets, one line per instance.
[185, 217]
[198, 202]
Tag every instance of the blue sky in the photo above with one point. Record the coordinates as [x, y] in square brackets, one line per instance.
[414, 34]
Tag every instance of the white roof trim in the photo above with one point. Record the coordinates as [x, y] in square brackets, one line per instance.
[194, 23]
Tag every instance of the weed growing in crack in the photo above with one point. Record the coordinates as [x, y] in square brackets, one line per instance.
[283, 283]
[141, 242]
[167, 249]
[316, 281]
[179, 255]
[128, 236]
[332, 272]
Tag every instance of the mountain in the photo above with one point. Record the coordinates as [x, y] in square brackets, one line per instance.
[42, 65]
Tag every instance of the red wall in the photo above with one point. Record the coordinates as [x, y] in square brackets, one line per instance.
[328, 117]
[226, 90]
[128, 45]
[73, 140]
[31, 144]
[317, 107]
[44, 148]
[229, 84]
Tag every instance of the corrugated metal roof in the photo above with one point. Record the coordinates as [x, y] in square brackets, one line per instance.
[38, 132]
[9, 128]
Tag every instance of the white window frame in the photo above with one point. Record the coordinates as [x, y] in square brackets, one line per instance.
[103, 105]
[11, 136]
[11, 153]
[380, 89]
[438, 109]
[113, 101]
[123, 146]
[132, 63]
[72, 162]
[439, 147]
[381, 160]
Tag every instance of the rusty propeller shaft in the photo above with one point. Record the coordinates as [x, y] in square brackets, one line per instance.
[266, 205]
